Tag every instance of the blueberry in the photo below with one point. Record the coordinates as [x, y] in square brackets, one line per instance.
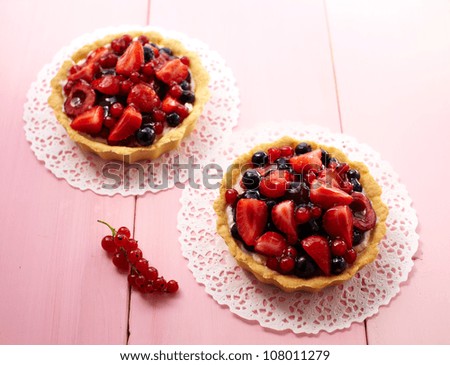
[270, 204]
[304, 267]
[325, 157]
[173, 119]
[356, 185]
[260, 158]
[185, 85]
[251, 194]
[148, 54]
[166, 50]
[353, 174]
[145, 136]
[251, 179]
[235, 233]
[187, 97]
[302, 148]
[338, 265]
[298, 192]
[283, 164]
[333, 160]
[188, 78]
[147, 119]
[358, 236]
[315, 227]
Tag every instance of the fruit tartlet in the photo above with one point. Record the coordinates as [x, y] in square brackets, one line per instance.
[130, 96]
[300, 215]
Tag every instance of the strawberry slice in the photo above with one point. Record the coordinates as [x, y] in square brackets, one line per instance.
[173, 71]
[326, 196]
[90, 121]
[171, 105]
[86, 72]
[284, 219]
[306, 162]
[275, 184]
[108, 84]
[251, 219]
[144, 98]
[270, 244]
[129, 122]
[317, 247]
[131, 60]
[365, 217]
[338, 223]
[95, 55]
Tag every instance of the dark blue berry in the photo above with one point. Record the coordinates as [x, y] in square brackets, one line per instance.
[145, 136]
[356, 185]
[358, 236]
[147, 119]
[304, 267]
[333, 160]
[166, 50]
[252, 194]
[315, 227]
[235, 233]
[353, 174]
[251, 179]
[270, 204]
[325, 157]
[302, 148]
[338, 265]
[148, 54]
[260, 158]
[173, 119]
[185, 85]
[298, 192]
[187, 97]
[283, 164]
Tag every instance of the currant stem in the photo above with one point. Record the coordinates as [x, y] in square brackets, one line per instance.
[113, 231]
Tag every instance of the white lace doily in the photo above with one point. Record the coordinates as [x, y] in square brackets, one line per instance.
[335, 307]
[65, 160]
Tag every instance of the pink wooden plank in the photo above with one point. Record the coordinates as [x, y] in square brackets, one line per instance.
[291, 46]
[393, 77]
[57, 284]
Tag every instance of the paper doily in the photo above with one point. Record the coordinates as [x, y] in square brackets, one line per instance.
[335, 307]
[51, 144]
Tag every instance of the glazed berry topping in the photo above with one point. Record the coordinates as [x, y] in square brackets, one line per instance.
[302, 209]
[126, 256]
[129, 73]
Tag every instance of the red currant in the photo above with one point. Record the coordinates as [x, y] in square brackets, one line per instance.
[287, 264]
[125, 231]
[109, 122]
[316, 211]
[151, 273]
[338, 247]
[116, 111]
[159, 127]
[302, 215]
[120, 240]
[176, 91]
[272, 263]
[132, 245]
[290, 251]
[172, 286]
[108, 244]
[148, 69]
[149, 288]
[185, 60]
[109, 60]
[135, 77]
[350, 256]
[141, 265]
[131, 279]
[120, 261]
[158, 115]
[143, 39]
[231, 196]
[274, 154]
[140, 282]
[160, 284]
[287, 151]
[125, 87]
[134, 256]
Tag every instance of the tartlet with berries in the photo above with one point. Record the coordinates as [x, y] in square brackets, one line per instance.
[300, 215]
[130, 96]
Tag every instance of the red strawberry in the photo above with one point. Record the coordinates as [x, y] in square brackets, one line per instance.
[131, 60]
[144, 98]
[274, 185]
[284, 219]
[108, 84]
[308, 161]
[129, 122]
[90, 121]
[270, 244]
[160, 60]
[80, 99]
[86, 72]
[326, 197]
[173, 71]
[317, 248]
[365, 218]
[338, 223]
[95, 55]
[170, 105]
[251, 219]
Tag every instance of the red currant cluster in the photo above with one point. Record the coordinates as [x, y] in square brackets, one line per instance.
[127, 256]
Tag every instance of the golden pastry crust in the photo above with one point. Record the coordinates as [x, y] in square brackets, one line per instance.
[169, 140]
[290, 283]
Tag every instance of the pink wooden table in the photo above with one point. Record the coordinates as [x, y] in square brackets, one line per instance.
[377, 71]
